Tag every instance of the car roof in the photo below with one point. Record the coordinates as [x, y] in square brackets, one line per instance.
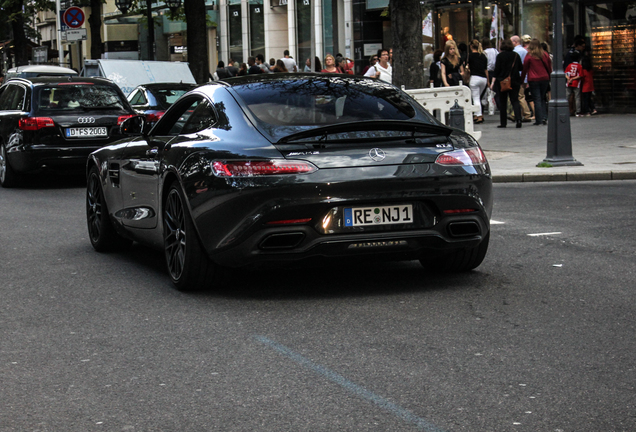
[168, 85]
[62, 79]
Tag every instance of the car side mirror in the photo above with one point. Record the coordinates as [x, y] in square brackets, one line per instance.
[134, 126]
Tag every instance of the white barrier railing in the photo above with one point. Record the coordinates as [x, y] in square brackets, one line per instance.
[439, 100]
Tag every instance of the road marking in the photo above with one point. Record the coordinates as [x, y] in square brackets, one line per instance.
[494, 222]
[396, 410]
[544, 234]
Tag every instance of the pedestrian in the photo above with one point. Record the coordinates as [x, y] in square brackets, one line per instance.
[280, 66]
[491, 54]
[290, 63]
[231, 68]
[330, 65]
[220, 72]
[587, 85]
[573, 77]
[537, 68]
[462, 50]
[344, 65]
[478, 67]
[242, 69]
[428, 60]
[252, 67]
[508, 65]
[522, 52]
[578, 46]
[372, 61]
[436, 71]
[451, 67]
[317, 64]
[382, 70]
[260, 62]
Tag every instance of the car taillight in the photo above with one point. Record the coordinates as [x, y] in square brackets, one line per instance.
[35, 123]
[153, 117]
[467, 156]
[260, 168]
[121, 118]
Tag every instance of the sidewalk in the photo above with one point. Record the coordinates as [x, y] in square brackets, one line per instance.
[605, 144]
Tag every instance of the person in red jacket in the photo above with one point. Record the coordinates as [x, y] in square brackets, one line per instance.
[587, 86]
[573, 75]
[538, 67]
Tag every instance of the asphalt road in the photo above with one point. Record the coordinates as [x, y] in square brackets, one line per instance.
[540, 338]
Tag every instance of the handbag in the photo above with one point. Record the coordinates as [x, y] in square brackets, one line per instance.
[506, 83]
[466, 75]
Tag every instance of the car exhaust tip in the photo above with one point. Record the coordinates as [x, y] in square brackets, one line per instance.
[463, 229]
[282, 241]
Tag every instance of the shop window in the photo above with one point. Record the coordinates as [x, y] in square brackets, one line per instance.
[303, 29]
[257, 28]
[235, 30]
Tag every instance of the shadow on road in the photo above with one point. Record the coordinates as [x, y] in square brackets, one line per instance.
[332, 280]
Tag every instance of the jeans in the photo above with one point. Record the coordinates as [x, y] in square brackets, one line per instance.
[477, 86]
[577, 97]
[539, 90]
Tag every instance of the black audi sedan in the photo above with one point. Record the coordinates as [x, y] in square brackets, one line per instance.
[56, 122]
[291, 167]
[153, 99]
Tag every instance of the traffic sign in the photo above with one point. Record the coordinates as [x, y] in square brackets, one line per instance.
[74, 17]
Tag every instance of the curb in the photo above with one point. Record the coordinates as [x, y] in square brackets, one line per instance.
[561, 177]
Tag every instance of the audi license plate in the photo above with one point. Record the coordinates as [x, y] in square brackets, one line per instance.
[382, 215]
[86, 132]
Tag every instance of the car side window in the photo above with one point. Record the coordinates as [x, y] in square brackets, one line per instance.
[187, 116]
[139, 98]
[202, 117]
[10, 97]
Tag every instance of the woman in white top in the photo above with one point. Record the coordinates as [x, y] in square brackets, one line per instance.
[382, 69]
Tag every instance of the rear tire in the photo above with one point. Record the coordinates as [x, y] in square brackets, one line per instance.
[462, 260]
[101, 232]
[8, 177]
[189, 267]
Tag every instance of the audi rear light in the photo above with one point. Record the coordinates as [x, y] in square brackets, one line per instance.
[122, 118]
[261, 168]
[462, 157]
[153, 117]
[35, 123]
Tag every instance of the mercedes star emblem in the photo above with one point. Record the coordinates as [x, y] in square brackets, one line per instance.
[377, 154]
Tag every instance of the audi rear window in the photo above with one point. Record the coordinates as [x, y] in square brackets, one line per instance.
[79, 96]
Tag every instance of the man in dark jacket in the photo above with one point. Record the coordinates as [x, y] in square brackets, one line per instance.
[508, 64]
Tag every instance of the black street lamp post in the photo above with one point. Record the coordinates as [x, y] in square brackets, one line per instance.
[559, 151]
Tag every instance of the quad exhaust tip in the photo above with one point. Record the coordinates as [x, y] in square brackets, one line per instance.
[463, 229]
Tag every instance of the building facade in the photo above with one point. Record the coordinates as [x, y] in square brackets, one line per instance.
[356, 29]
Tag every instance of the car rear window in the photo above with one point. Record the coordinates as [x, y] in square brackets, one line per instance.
[167, 97]
[321, 101]
[79, 96]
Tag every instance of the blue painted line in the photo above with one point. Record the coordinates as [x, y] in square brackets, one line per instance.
[394, 409]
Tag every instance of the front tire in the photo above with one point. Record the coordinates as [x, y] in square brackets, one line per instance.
[462, 260]
[101, 232]
[189, 267]
[8, 177]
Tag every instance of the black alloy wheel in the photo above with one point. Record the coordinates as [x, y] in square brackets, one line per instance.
[8, 178]
[189, 267]
[101, 232]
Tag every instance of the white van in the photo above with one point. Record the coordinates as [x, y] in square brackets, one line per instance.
[32, 71]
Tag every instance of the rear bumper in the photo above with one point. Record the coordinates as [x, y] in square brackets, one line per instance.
[37, 157]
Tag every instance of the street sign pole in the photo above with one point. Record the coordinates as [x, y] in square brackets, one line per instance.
[559, 151]
[60, 49]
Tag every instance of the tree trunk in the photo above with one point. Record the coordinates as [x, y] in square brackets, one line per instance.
[95, 23]
[197, 39]
[408, 56]
[19, 36]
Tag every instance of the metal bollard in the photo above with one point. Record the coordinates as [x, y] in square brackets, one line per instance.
[456, 116]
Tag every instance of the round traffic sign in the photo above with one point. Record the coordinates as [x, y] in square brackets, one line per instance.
[74, 17]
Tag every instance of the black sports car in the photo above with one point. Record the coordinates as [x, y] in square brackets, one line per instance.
[285, 167]
[56, 122]
[154, 99]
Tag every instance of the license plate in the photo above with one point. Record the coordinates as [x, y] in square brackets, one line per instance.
[86, 132]
[382, 215]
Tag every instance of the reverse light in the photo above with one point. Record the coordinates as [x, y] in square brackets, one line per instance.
[261, 168]
[462, 157]
[35, 123]
[122, 118]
